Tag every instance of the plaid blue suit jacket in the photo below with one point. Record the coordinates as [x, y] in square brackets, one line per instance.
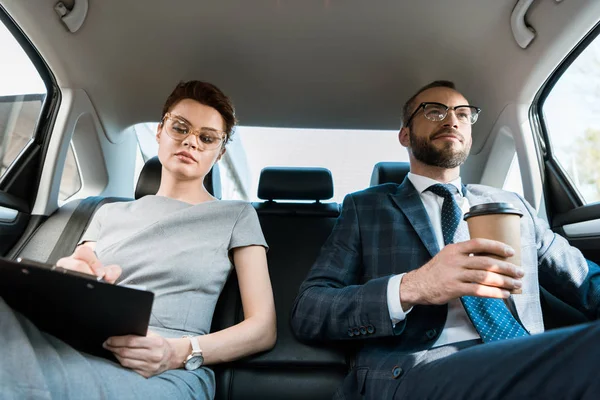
[385, 230]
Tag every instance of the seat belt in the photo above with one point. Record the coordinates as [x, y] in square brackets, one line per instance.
[77, 224]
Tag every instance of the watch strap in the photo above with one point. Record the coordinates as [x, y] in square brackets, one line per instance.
[195, 344]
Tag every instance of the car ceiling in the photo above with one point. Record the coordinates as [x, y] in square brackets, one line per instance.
[303, 63]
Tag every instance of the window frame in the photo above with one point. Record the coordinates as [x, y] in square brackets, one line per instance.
[40, 136]
[539, 124]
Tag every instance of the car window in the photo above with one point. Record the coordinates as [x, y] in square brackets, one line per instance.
[70, 182]
[22, 93]
[350, 155]
[139, 164]
[513, 181]
[572, 115]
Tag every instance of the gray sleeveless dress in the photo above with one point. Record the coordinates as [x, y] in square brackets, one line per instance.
[179, 251]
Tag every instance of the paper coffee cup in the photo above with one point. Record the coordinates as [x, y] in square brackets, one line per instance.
[497, 221]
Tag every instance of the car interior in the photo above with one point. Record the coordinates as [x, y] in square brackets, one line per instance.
[81, 81]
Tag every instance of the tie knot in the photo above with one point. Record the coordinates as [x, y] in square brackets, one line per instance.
[445, 190]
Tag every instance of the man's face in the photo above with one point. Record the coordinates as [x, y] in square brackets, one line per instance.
[444, 144]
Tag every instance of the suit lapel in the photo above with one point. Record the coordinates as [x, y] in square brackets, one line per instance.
[408, 200]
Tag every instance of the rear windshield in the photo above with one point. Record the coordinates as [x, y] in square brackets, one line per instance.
[349, 154]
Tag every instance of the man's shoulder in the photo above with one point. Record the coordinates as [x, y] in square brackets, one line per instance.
[374, 192]
[499, 195]
[484, 190]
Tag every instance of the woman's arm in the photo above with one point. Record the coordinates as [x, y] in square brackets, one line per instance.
[257, 332]
[153, 354]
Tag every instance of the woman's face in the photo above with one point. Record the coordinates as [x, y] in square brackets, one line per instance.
[188, 159]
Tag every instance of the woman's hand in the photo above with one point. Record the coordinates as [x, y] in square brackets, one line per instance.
[147, 355]
[84, 260]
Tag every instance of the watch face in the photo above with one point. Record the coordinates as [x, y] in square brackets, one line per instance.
[194, 362]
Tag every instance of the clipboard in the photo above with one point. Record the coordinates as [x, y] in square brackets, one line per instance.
[74, 307]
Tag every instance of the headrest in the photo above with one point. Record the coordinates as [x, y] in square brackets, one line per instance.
[149, 180]
[389, 172]
[295, 183]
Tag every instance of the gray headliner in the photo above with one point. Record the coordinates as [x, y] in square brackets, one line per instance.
[321, 64]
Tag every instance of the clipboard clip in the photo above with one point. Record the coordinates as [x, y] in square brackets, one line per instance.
[56, 268]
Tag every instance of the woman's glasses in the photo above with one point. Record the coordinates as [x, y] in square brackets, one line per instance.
[178, 129]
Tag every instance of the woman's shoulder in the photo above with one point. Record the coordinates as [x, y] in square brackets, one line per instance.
[233, 204]
[232, 208]
[115, 206]
[151, 204]
[125, 205]
[147, 203]
[225, 210]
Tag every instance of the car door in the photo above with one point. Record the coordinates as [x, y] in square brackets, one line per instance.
[28, 98]
[566, 114]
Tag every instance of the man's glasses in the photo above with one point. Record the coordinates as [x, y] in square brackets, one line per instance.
[438, 112]
[178, 129]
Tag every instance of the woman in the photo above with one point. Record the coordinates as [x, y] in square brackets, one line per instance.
[179, 244]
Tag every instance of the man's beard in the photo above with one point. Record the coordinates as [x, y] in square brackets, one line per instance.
[445, 157]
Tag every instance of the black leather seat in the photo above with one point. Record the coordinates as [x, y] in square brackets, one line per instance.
[149, 180]
[389, 172]
[295, 232]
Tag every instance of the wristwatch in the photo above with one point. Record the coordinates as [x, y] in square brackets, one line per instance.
[195, 359]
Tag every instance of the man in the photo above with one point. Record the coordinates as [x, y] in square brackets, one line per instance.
[400, 276]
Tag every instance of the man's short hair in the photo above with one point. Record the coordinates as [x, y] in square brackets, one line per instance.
[409, 105]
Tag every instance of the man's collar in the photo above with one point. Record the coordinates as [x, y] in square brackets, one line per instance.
[421, 183]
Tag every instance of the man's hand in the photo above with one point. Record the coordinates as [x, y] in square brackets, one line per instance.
[147, 355]
[455, 272]
[84, 260]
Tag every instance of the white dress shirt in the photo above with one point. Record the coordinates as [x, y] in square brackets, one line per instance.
[458, 326]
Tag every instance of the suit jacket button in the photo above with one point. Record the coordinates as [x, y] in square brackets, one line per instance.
[356, 331]
[396, 372]
[350, 333]
[370, 329]
[431, 333]
[363, 330]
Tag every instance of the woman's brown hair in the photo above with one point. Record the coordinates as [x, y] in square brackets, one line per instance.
[207, 94]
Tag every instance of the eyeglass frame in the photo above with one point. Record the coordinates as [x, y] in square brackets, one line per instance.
[425, 103]
[192, 131]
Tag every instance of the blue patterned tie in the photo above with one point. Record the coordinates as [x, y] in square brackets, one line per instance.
[490, 317]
